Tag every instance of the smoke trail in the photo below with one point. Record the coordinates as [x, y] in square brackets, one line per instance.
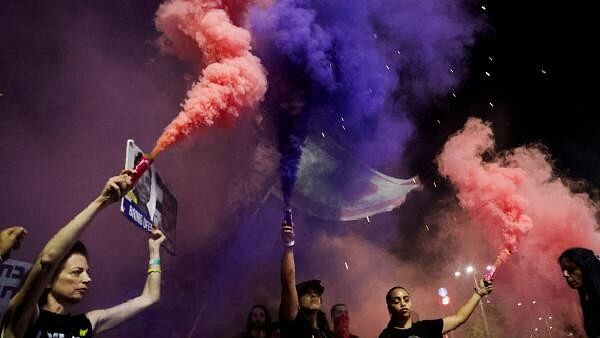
[516, 193]
[299, 55]
[489, 191]
[502, 194]
[354, 70]
[233, 80]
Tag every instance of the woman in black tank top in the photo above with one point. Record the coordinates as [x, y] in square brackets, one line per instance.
[60, 278]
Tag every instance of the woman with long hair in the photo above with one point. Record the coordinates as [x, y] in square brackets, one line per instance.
[581, 269]
[258, 323]
[60, 277]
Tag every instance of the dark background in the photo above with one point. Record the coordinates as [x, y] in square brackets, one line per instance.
[79, 78]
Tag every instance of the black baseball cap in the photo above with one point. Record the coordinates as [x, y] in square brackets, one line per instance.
[314, 284]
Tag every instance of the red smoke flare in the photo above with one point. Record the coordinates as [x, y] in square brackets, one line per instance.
[490, 192]
[232, 79]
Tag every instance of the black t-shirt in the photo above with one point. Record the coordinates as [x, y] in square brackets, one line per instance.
[591, 317]
[51, 324]
[422, 329]
[300, 328]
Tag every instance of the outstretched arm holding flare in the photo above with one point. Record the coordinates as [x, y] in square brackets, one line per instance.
[300, 312]
[23, 310]
[289, 296]
[484, 288]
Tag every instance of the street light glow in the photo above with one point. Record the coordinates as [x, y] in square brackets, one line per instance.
[442, 292]
[457, 274]
[446, 300]
[469, 269]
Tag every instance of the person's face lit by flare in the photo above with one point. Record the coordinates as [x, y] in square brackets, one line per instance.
[399, 304]
[572, 273]
[310, 300]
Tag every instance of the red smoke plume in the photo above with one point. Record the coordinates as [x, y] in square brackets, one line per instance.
[515, 191]
[232, 78]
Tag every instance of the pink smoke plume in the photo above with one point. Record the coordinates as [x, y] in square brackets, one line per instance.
[232, 79]
[517, 193]
[514, 191]
[490, 192]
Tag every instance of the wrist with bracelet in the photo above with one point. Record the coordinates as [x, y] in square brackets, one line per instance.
[154, 266]
[152, 270]
[289, 244]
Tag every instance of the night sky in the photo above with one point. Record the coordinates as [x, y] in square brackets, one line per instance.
[77, 79]
[541, 85]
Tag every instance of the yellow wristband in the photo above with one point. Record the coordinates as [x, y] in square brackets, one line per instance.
[151, 270]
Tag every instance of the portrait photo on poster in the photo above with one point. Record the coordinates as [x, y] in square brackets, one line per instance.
[150, 201]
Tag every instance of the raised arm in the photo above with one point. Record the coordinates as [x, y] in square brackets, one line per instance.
[462, 315]
[106, 319]
[289, 296]
[23, 309]
[10, 238]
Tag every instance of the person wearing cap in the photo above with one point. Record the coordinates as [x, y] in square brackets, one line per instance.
[401, 324]
[300, 314]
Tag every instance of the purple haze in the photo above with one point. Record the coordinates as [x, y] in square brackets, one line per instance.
[78, 79]
[358, 69]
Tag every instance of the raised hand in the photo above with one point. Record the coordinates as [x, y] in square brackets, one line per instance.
[155, 240]
[116, 187]
[287, 234]
[484, 287]
[10, 238]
